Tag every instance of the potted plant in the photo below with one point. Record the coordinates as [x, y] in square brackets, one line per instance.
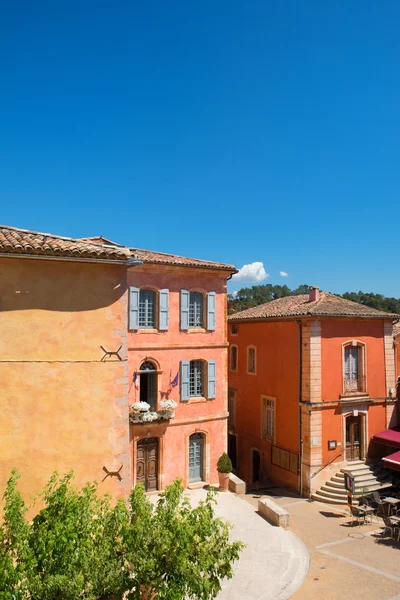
[224, 468]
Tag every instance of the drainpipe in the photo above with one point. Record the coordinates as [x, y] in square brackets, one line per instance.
[300, 412]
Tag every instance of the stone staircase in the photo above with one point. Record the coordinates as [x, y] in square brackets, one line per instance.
[369, 477]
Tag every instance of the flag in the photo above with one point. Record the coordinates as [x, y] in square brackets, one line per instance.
[135, 376]
[173, 382]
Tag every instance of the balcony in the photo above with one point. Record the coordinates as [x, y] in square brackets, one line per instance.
[140, 412]
[354, 385]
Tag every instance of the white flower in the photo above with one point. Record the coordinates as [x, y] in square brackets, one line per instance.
[150, 416]
[168, 404]
[140, 407]
[166, 414]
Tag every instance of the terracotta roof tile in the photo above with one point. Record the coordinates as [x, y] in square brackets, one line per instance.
[25, 242]
[328, 305]
[148, 256]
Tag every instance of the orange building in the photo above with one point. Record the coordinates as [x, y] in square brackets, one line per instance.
[90, 328]
[311, 382]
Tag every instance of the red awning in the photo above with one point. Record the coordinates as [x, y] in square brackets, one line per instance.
[392, 461]
[389, 437]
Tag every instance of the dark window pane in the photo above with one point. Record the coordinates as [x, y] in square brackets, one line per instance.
[147, 308]
[196, 309]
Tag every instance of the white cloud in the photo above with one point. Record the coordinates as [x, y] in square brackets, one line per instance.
[234, 294]
[283, 274]
[253, 272]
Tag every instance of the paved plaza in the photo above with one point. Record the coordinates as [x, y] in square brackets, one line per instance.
[345, 561]
[274, 563]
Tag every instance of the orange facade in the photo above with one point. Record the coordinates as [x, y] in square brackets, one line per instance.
[298, 411]
[169, 452]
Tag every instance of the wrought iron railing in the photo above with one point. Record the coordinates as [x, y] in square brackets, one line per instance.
[354, 384]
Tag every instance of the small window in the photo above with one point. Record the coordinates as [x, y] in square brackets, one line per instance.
[196, 379]
[268, 421]
[234, 358]
[251, 360]
[147, 309]
[196, 310]
[234, 329]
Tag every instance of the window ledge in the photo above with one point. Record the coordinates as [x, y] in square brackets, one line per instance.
[354, 395]
[248, 373]
[197, 399]
[146, 330]
[195, 330]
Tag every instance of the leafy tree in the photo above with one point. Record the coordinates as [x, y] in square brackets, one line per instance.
[79, 547]
[260, 294]
[176, 551]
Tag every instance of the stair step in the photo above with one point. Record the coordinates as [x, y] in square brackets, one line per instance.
[356, 470]
[333, 495]
[319, 498]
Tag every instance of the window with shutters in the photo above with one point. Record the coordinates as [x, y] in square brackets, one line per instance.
[251, 360]
[234, 329]
[268, 418]
[234, 358]
[196, 379]
[196, 310]
[147, 309]
[354, 375]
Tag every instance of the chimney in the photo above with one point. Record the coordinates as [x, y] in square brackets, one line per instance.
[313, 295]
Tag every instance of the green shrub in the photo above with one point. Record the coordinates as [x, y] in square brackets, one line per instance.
[79, 547]
[224, 464]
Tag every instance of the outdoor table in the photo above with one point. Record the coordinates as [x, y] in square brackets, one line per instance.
[391, 502]
[367, 510]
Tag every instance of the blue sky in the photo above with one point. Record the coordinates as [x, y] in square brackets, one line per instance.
[234, 131]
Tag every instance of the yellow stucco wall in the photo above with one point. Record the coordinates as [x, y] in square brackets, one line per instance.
[61, 406]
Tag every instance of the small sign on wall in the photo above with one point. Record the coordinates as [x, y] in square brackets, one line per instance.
[332, 444]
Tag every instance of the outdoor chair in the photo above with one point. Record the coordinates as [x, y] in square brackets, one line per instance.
[377, 503]
[358, 513]
[392, 525]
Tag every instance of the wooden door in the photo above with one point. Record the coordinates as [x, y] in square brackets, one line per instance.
[353, 438]
[196, 448]
[255, 464]
[147, 463]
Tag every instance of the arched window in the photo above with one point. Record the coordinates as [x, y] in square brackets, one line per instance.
[234, 358]
[251, 360]
[354, 380]
[148, 384]
[147, 309]
[196, 310]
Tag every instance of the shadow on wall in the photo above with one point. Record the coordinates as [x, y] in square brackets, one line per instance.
[59, 286]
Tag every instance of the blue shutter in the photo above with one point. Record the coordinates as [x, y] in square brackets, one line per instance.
[212, 378]
[185, 375]
[211, 311]
[163, 320]
[185, 298]
[133, 308]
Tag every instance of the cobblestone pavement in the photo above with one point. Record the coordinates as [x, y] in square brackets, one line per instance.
[274, 563]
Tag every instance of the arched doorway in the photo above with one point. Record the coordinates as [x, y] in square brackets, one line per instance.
[148, 384]
[147, 463]
[196, 457]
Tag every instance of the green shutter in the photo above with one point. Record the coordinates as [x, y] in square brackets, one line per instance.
[163, 317]
[185, 297]
[212, 379]
[185, 375]
[211, 311]
[133, 307]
